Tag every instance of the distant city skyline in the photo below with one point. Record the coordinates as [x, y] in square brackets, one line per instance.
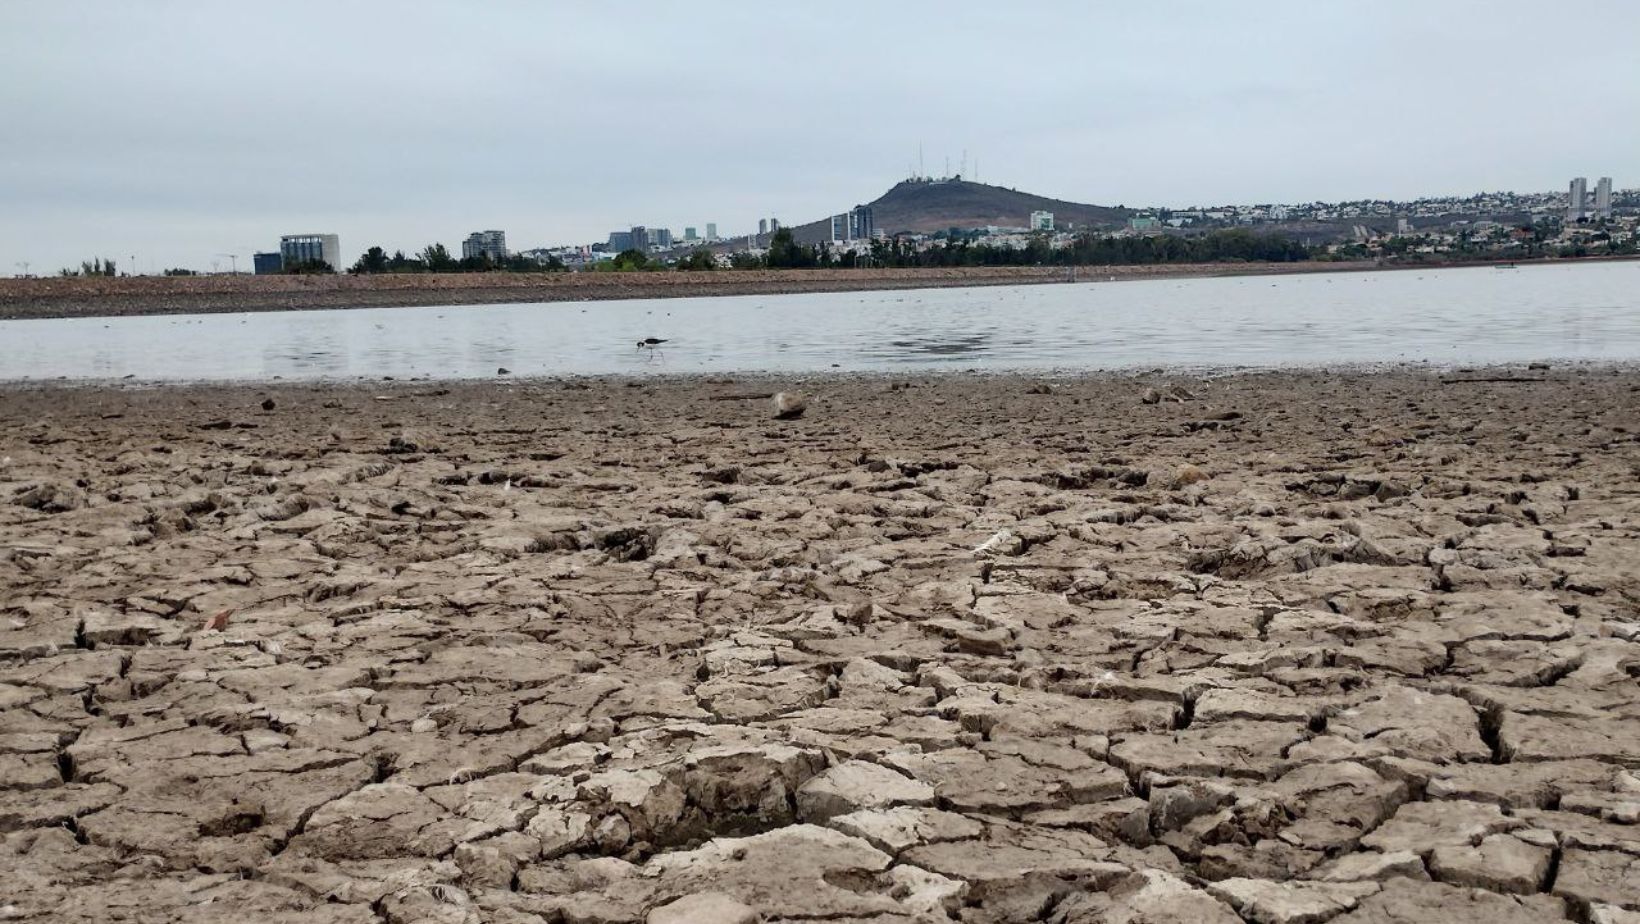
[165, 130]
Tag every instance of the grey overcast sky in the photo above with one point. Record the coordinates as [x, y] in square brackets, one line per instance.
[178, 130]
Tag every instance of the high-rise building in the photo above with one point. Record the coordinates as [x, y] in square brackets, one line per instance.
[620, 240]
[492, 244]
[689, 235]
[711, 230]
[762, 226]
[862, 225]
[305, 248]
[774, 225]
[1577, 199]
[640, 238]
[853, 225]
[1603, 197]
[268, 264]
[1041, 221]
[661, 238]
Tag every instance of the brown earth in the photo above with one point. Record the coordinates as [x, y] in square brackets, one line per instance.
[1272, 648]
[59, 297]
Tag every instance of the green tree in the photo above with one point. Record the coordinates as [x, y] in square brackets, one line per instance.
[309, 268]
[629, 260]
[373, 261]
[438, 260]
[786, 253]
[399, 263]
[701, 259]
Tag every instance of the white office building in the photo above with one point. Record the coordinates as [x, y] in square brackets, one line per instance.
[492, 244]
[1041, 221]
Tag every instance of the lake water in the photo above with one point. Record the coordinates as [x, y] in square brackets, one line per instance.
[1584, 312]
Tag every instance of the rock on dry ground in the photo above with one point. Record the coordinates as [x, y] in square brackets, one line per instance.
[1288, 648]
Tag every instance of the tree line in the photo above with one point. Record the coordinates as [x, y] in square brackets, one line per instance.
[435, 258]
[97, 266]
[959, 248]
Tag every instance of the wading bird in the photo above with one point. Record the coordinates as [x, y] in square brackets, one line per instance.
[650, 343]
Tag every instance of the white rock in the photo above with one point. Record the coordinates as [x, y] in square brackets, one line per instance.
[789, 405]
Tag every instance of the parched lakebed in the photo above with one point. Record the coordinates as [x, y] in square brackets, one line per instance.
[1276, 647]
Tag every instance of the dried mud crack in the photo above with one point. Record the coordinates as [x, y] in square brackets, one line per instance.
[1281, 648]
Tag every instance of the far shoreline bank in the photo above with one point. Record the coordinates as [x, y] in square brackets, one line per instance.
[137, 296]
[125, 296]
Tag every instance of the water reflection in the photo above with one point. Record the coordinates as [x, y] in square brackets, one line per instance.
[909, 350]
[1588, 311]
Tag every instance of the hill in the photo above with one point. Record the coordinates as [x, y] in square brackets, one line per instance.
[933, 205]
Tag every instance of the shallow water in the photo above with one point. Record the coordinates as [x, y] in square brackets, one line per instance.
[1585, 312]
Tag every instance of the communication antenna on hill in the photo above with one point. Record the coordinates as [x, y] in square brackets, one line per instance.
[921, 170]
[964, 169]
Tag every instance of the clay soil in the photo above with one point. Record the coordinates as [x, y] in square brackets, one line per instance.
[1291, 648]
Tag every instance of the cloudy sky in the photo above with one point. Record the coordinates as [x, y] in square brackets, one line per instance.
[180, 130]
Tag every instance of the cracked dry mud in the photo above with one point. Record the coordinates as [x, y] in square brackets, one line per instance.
[1304, 647]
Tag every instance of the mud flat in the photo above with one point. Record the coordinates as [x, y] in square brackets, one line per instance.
[58, 297]
[1274, 648]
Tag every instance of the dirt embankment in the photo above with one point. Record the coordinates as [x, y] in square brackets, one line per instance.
[59, 297]
[1270, 648]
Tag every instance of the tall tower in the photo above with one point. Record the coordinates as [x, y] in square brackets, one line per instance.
[1603, 197]
[1577, 199]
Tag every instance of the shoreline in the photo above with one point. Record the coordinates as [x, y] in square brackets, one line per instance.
[1523, 371]
[576, 649]
[125, 296]
[148, 296]
[59, 297]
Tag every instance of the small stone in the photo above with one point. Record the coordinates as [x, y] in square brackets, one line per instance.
[1188, 475]
[268, 404]
[503, 371]
[1150, 396]
[1002, 542]
[789, 405]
